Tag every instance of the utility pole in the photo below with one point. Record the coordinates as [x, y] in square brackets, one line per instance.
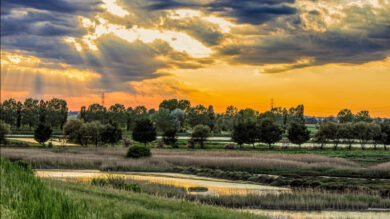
[103, 99]
[272, 103]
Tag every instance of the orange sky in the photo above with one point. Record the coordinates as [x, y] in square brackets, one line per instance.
[327, 55]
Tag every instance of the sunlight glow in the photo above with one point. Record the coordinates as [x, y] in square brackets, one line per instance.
[112, 7]
[179, 41]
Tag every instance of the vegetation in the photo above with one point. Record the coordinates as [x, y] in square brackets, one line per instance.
[4, 130]
[138, 151]
[200, 134]
[298, 133]
[25, 196]
[144, 131]
[169, 137]
[42, 133]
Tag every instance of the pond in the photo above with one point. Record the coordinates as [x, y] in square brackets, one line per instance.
[214, 186]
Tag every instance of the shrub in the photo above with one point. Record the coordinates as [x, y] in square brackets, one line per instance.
[4, 130]
[72, 130]
[138, 151]
[229, 146]
[111, 134]
[42, 133]
[99, 182]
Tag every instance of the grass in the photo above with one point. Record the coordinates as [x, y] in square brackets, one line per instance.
[299, 199]
[294, 169]
[25, 196]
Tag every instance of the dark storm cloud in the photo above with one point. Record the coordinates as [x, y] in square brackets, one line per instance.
[244, 11]
[63, 6]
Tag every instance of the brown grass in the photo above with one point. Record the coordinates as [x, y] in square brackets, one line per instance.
[91, 158]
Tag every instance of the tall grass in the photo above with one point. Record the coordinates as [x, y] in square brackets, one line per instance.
[25, 196]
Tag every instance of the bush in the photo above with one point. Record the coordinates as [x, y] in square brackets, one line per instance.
[111, 134]
[229, 146]
[42, 133]
[137, 151]
[159, 144]
[4, 130]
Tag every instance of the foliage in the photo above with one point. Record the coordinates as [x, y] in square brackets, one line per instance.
[240, 134]
[117, 114]
[30, 112]
[364, 132]
[91, 132]
[270, 132]
[345, 115]
[42, 133]
[173, 104]
[229, 146]
[25, 196]
[72, 130]
[162, 119]
[5, 129]
[127, 142]
[200, 134]
[298, 133]
[178, 118]
[138, 151]
[169, 137]
[56, 112]
[363, 116]
[111, 134]
[200, 115]
[144, 131]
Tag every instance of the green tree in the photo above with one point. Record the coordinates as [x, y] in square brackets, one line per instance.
[91, 132]
[346, 133]
[270, 131]
[72, 131]
[9, 113]
[240, 134]
[200, 134]
[30, 112]
[345, 115]
[42, 133]
[173, 104]
[162, 119]
[385, 129]
[298, 133]
[296, 114]
[363, 132]
[376, 134]
[57, 112]
[117, 114]
[247, 114]
[144, 131]
[111, 134]
[96, 112]
[363, 116]
[200, 115]
[178, 118]
[5, 129]
[329, 131]
[169, 137]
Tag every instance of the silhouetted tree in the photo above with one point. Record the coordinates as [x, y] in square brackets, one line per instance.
[298, 133]
[144, 131]
[270, 132]
[42, 133]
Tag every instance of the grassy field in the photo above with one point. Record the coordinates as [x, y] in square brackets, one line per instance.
[297, 170]
[25, 196]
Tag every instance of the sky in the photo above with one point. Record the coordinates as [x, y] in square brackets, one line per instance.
[325, 54]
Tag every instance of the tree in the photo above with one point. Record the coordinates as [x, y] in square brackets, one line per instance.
[30, 112]
[162, 119]
[5, 129]
[91, 131]
[169, 137]
[363, 116]
[42, 133]
[298, 133]
[173, 104]
[96, 112]
[144, 131]
[72, 132]
[363, 133]
[270, 131]
[345, 115]
[117, 114]
[200, 134]
[240, 134]
[385, 129]
[253, 133]
[345, 132]
[200, 115]
[178, 118]
[9, 110]
[328, 131]
[57, 112]
[247, 114]
[376, 134]
[111, 134]
[296, 114]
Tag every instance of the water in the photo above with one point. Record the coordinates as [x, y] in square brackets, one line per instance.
[214, 186]
[280, 214]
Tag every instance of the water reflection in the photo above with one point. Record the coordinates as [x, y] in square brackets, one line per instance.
[214, 186]
[279, 214]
